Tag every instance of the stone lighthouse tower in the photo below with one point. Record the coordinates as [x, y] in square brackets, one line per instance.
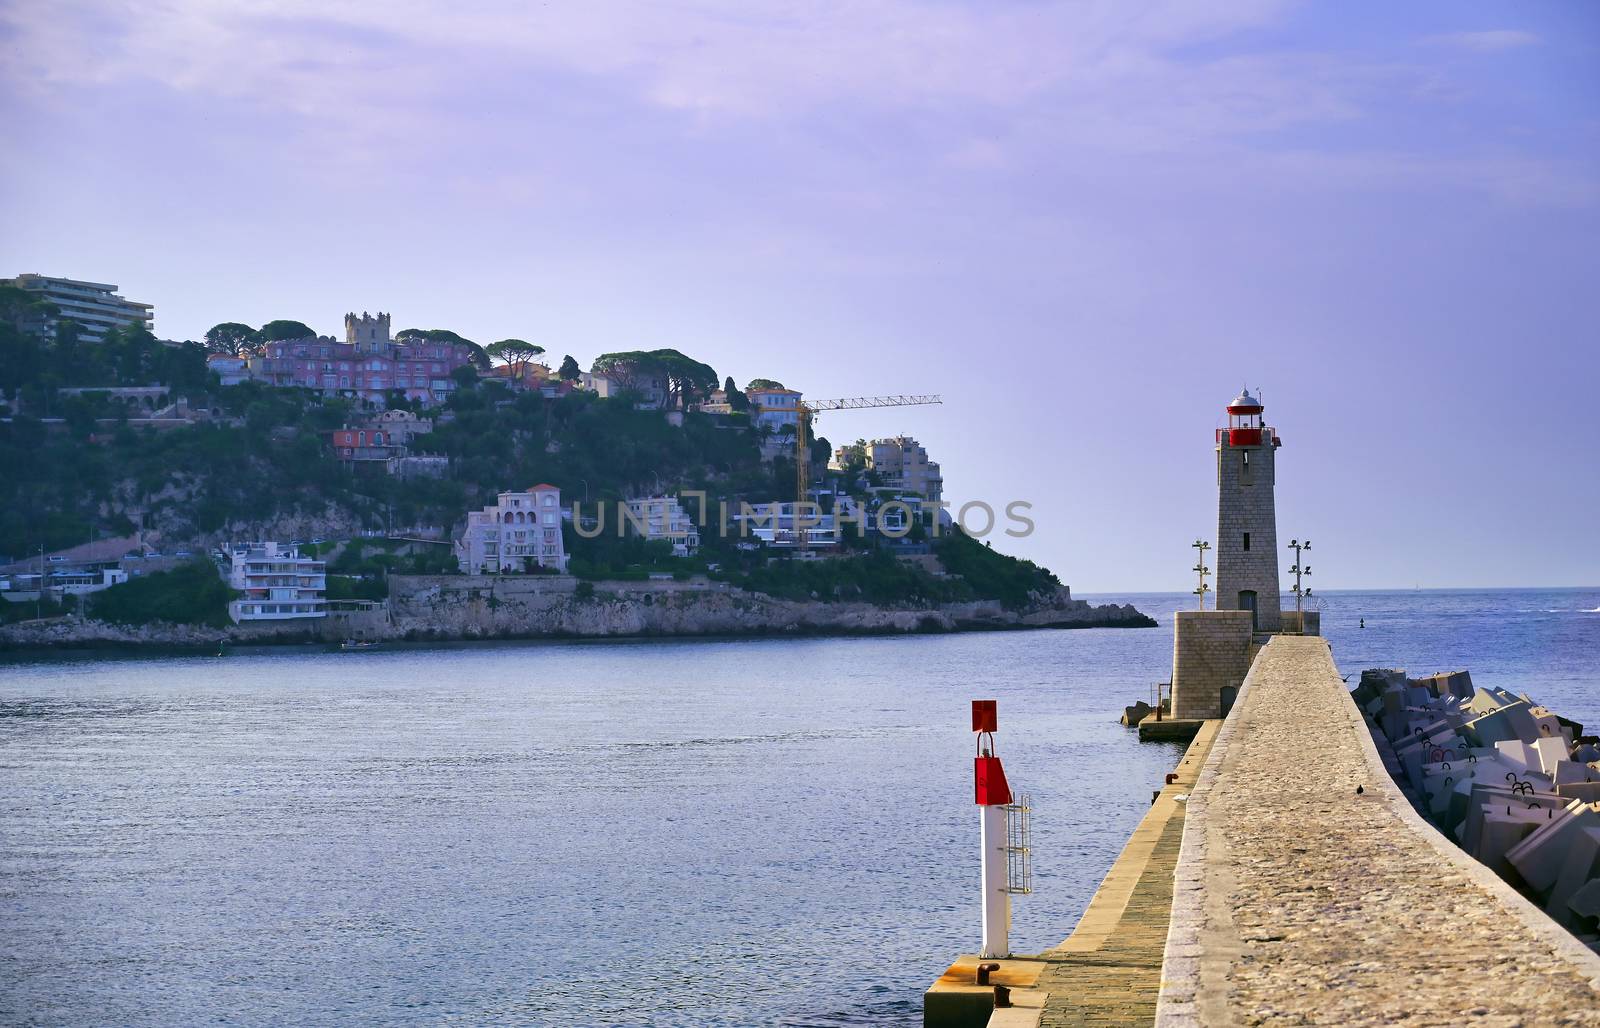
[1247, 525]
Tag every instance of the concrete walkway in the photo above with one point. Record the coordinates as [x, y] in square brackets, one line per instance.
[1299, 901]
[1108, 971]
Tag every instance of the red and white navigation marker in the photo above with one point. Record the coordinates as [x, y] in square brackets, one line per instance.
[993, 795]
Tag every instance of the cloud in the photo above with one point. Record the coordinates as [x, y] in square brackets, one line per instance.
[717, 56]
[1487, 41]
[550, 92]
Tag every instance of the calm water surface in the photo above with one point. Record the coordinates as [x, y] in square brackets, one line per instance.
[637, 833]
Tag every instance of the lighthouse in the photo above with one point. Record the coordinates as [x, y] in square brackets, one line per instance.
[1247, 532]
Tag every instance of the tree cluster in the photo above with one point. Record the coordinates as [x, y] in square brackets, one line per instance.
[683, 380]
[33, 366]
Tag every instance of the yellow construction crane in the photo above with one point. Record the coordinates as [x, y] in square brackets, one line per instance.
[809, 409]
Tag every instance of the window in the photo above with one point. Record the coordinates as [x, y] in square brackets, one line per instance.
[1247, 541]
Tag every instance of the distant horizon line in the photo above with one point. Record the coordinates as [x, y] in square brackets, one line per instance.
[1385, 589]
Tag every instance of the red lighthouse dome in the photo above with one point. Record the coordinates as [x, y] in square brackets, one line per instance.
[1244, 420]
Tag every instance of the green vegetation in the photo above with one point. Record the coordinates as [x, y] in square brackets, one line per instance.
[376, 559]
[27, 610]
[628, 559]
[517, 353]
[277, 331]
[874, 577]
[993, 575]
[75, 468]
[33, 367]
[267, 455]
[686, 379]
[233, 338]
[192, 594]
[345, 587]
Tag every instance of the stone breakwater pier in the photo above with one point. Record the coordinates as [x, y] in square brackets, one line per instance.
[1282, 877]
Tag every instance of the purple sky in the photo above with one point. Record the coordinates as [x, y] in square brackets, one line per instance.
[1086, 225]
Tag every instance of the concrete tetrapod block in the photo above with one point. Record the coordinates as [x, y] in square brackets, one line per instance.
[1490, 794]
[1538, 857]
[1501, 832]
[1551, 751]
[1587, 792]
[1512, 722]
[1586, 901]
[1580, 867]
[1515, 751]
[1568, 772]
[1549, 725]
[1492, 698]
[1452, 807]
[1458, 684]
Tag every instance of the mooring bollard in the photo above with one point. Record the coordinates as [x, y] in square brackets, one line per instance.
[1002, 996]
[983, 972]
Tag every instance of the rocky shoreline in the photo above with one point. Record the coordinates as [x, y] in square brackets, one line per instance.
[457, 609]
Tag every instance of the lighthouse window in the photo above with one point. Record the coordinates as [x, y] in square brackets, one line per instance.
[1247, 458]
[1247, 540]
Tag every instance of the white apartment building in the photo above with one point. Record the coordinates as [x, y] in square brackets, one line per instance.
[663, 517]
[774, 524]
[277, 582]
[520, 531]
[231, 370]
[775, 407]
[94, 306]
[402, 425]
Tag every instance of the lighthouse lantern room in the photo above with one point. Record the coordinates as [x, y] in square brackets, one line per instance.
[1244, 420]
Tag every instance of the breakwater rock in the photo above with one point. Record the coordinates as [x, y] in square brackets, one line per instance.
[1514, 784]
[459, 607]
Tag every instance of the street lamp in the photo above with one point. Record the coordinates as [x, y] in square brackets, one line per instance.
[1200, 548]
[1299, 572]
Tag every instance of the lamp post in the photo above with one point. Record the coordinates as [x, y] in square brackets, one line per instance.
[1200, 547]
[1299, 572]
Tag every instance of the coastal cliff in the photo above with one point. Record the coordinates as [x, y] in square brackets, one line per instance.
[456, 607]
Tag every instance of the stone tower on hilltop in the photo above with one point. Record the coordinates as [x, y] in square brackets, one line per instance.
[366, 332]
[1247, 525]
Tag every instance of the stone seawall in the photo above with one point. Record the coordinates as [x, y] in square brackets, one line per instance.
[459, 607]
[454, 606]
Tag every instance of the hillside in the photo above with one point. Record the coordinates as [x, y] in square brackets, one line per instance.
[261, 466]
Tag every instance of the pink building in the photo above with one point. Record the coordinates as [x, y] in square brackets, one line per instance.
[520, 532]
[367, 364]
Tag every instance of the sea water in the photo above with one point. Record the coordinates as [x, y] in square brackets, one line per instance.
[699, 832]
